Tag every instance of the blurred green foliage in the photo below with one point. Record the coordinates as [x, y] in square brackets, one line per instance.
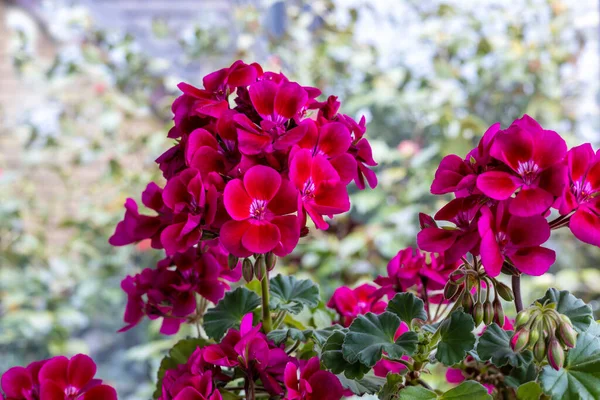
[103, 113]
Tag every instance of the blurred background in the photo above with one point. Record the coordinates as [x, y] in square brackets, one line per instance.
[85, 94]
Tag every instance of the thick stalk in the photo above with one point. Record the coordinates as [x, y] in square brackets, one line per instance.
[516, 287]
[267, 322]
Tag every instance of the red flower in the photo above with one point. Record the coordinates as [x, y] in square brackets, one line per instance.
[311, 383]
[518, 239]
[56, 379]
[259, 205]
[581, 195]
[534, 157]
[350, 303]
[321, 191]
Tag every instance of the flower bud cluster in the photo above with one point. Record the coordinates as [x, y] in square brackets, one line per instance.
[546, 332]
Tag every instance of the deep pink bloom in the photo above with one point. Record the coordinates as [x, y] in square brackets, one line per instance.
[534, 156]
[321, 190]
[58, 378]
[454, 243]
[402, 272]
[457, 175]
[136, 227]
[259, 205]
[518, 239]
[582, 194]
[311, 383]
[249, 350]
[179, 384]
[350, 303]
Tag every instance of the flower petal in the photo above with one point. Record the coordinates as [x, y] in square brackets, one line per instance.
[100, 392]
[528, 231]
[497, 184]
[15, 381]
[289, 234]
[261, 237]
[533, 261]
[290, 99]
[262, 95]
[49, 390]
[55, 370]
[585, 225]
[231, 236]
[334, 139]
[531, 201]
[262, 183]
[436, 239]
[81, 370]
[236, 200]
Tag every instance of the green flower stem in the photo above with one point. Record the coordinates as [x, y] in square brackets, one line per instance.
[516, 287]
[279, 319]
[267, 322]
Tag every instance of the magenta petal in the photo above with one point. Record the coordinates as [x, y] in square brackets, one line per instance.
[491, 257]
[290, 99]
[262, 183]
[261, 237]
[262, 94]
[436, 239]
[531, 201]
[346, 167]
[549, 149]
[334, 139]
[55, 370]
[231, 236]
[513, 146]
[289, 232]
[49, 390]
[497, 184]
[528, 231]
[533, 261]
[189, 393]
[15, 381]
[236, 200]
[300, 167]
[285, 200]
[100, 392]
[454, 375]
[578, 159]
[585, 225]
[325, 386]
[81, 370]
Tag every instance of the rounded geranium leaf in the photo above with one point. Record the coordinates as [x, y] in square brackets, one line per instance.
[456, 338]
[229, 311]
[291, 294]
[578, 312]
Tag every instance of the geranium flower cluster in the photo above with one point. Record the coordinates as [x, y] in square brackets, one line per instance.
[249, 351]
[58, 378]
[505, 190]
[255, 156]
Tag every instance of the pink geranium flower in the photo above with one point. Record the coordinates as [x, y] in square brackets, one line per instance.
[249, 350]
[582, 194]
[517, 239]
[310, 382]
[58, 378]
[321, 191]
[453, 243]
[260, 205]
[350, 303]
[534, 158]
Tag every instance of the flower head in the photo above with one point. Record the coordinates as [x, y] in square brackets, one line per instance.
[350, 303]
[309, 382]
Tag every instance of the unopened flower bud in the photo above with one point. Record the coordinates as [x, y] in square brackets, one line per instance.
[539, 350]
[499, 316]
[534, 334]
[271, 260]
[467, 302]
[458, 276]
[556, 354]
[478, 313]
[232, 261]
[567, 334]
[522, 318]
[450, 290]
[247, 270]
[504, 291]
[260, 267]
[520, 340]
[488, 312]
[426, 221]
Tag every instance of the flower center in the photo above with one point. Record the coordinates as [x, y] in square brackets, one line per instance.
[258, 209]
[529, 171]
[501, 239]
[71, 392]
[583, 191]
[309, 189]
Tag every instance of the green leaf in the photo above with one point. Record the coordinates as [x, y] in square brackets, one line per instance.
[520, 375]
[229, 312]
[391, 389]
[320, 336]
[569, 305]
[369, 335]
[407, 307]
[333, 358]
[179, 354]
[367, 385]
[529, 391]
[494, 344]
[580, 378]
[456, 338]
[468, 390]
[291, 294]
[416, 393]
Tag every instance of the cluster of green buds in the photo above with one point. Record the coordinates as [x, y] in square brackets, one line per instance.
[479, 304]
[262, 263]
[546, 332]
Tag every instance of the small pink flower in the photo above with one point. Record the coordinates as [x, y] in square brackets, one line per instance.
[310, 382]
[260, 205]
[506, 236]
[350, 303]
